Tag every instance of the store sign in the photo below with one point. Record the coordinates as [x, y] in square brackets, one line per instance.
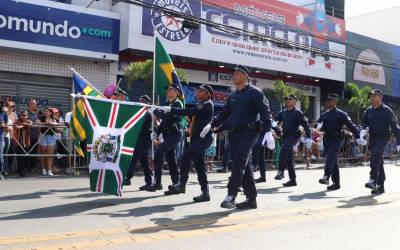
[220, 95]
[51, 27]
[270, 18]
[369, 73]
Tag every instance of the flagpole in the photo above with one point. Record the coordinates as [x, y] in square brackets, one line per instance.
[154, 86]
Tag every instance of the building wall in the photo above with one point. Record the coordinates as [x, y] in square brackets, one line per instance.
[98, 73]
[101, 4]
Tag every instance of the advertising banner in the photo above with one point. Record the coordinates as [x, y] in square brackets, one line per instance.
[51, 27]
[271, 18]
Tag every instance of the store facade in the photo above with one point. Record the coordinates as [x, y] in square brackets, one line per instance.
[41, 40]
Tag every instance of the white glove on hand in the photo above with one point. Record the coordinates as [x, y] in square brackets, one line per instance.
[269, 138]
[166, 109]
[161, 138]
[205, 130]
[398, 148]
[319, 125]
[363, 133]
[274, 124]
[308, 143]
[153, 136]
[362, 142]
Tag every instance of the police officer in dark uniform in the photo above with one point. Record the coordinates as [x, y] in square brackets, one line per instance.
[291, 119]
[201, 115]
[331, 122]
[243, 108]
[172, 135]
[379, 118]
[142, 149]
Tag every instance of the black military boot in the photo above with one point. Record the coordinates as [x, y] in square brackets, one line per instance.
[261, 179]
[127, 182]
[370, 184]
[145, 187]
[154, 188]
[229, 202]
[334, 186]
[280, 175]
[324, 180]
[204, 197]
[175, 189]
[290, 183]
[247, 204]
[380, 189]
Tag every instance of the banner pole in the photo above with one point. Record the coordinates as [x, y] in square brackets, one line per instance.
[154, 86]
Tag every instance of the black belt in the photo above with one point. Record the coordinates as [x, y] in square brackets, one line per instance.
[251, 127]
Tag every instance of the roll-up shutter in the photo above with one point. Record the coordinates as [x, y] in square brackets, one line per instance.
[47, 90]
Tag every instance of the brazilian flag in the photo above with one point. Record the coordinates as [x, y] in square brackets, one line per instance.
[165, 73]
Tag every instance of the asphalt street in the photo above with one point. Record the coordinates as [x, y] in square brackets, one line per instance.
[61, 213]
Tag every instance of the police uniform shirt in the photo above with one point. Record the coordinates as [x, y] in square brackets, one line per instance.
[333, 121]
[144, 136]
[379, 120]
[243, 107]
[291, 120]
[169, 121]
[203, 112]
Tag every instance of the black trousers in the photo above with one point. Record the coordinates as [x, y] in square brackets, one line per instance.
[242, 175]
[142, 154]
[286, 155]
[167, 149]
[377, 147]
[331, 150]
[258, 155]
[196, 153]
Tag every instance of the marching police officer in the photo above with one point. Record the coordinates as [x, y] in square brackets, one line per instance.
[331, 122]
[243, 108]
[201, 115]
[142, 149]
[172, 135]
[291, 119]
[379, 118]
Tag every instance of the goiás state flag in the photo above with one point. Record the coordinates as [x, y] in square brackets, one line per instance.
[112, 129]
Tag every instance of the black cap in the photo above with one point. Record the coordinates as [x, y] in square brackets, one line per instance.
[207, 88]
[332, 96]
[376, 92]
[176, 87]
[291, 97]
[145, 98]
[242, 69]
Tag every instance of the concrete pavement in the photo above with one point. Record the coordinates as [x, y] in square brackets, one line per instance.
[61, 213]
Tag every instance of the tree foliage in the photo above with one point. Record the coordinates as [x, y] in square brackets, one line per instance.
[136, 71]
[281, 91]
[359, 99]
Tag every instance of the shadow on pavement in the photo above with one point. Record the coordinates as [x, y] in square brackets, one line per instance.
[275, 190]
[362, 201]
[187, 223]
[39, 194]
[74, 208]
[143, 211]
[311, 196]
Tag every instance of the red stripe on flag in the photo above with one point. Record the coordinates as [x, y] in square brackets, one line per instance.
[129, 151]
[135, 118]
[90, 113]
[100, 180]
[114, 108]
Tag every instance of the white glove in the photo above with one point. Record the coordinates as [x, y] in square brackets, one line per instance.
[319, 125]
[161, 138]
[153, 136]
[166, 109]
[205, 130]
[363, 133]
[269, 138]
[308, 143]
[363, 142]
[398, 148]
[152, 109]
[274, 124]
[300, 18]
